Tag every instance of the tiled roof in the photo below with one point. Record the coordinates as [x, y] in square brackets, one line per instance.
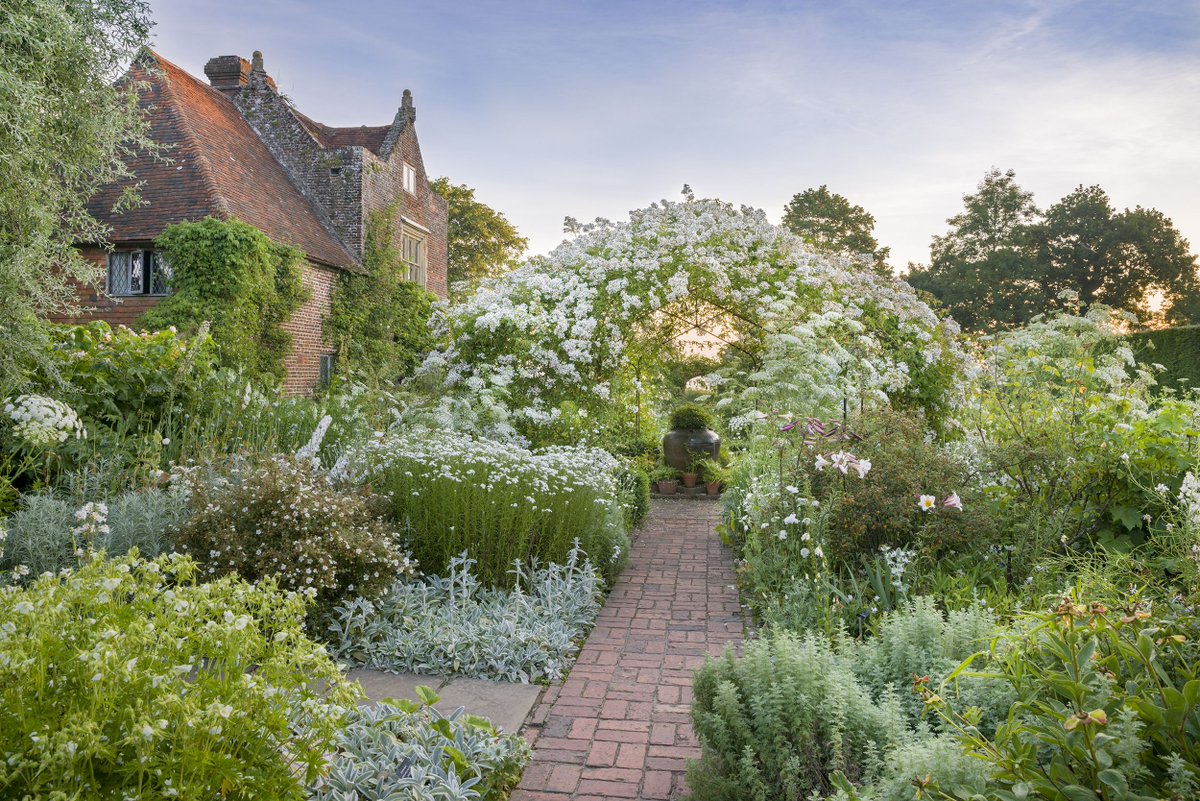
[218, 167]
[368, 136]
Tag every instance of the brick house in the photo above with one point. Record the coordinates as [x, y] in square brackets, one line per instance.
[239, 149]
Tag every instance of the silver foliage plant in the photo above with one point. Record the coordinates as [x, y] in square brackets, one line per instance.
[411, 752]
[451, 625]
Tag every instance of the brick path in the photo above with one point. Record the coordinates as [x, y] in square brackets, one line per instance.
[618, 727]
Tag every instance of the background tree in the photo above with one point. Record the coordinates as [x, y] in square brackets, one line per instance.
[483, 243]
[64, 128]
[831, 224]
[983, 270]
[1003, 261]
[1117, 259]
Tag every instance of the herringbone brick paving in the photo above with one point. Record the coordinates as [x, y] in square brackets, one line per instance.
[618, 727]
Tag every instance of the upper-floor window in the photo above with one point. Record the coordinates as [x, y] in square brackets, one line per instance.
[410, 178]
[412, 252]
[137, 272]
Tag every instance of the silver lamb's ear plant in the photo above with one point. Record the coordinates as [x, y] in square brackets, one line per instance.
[453, 625]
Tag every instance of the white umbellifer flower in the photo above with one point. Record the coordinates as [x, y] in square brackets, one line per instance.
[805, 552]
[791, 520]
[782, 535]
[43, 421]
[23, 608]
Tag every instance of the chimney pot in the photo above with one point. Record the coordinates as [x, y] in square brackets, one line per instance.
[227, 72]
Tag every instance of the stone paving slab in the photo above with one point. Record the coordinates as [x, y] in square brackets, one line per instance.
[619, 726]
[505, 704]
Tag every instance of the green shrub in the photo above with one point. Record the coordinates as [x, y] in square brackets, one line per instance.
[691, 416]
[921, 640]
[882, 509]
[131, 679]
[121, 378]
[411, 751]
[777, 723]
[1107, 705]
[1176, 349]
[44, 533]
[281, 516]
[229, 274]
[498, 502]
[634, 486]
[935, 761]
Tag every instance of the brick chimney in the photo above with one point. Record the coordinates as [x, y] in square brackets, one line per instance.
[227, 72]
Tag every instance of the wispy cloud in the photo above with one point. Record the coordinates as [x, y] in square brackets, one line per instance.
[594, 108]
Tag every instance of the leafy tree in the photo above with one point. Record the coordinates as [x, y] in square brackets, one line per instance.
[1113, 258]
[983, 270]
[379, 322]
[64, 128]
[831, 224]
[229, 274]
[483, 243]
[1003, 261]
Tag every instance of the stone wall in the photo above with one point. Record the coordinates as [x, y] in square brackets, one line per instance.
[330, 178]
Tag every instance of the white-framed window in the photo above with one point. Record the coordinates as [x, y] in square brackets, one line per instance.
[410, 178]
[413, 254]
[137, 272]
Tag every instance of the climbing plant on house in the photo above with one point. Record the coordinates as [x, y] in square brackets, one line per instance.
[587, 329]
[379, 321]
[246, 286]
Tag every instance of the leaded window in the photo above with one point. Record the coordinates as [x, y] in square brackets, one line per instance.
[137, 272]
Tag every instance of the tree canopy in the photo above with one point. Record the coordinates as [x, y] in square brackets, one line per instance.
[64, 131]
[482, 242]
[1004, 261]
[829, 223]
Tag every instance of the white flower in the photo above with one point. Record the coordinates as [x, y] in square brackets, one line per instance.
[791, 520]
[23, 608]
[782, 535]
[927, 503]
[821, 462]
[862, 467]
[804, 552]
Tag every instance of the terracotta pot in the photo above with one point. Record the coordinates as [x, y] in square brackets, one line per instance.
[713, 488]
[682, 444]
[667, 487]
[690, 479]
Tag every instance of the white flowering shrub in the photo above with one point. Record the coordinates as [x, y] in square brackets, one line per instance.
[284, 517]
[133, 679]
[41, 421]
[453, 625]
[1067, 439]
[586, 324]
[449, 493]
[411, 751]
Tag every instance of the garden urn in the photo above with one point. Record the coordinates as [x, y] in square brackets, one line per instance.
[682, 445]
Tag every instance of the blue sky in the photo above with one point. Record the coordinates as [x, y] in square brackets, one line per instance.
[594, 108]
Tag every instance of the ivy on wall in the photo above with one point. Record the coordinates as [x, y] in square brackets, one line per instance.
[379, 321]
[246, 286]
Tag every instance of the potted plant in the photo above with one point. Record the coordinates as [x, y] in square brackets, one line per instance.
[694, 469]
[714, 476]
[665, 480]
[691, 435]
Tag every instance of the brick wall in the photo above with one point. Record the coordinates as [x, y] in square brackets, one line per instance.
[114, 311]
[308, 341]
[382, 185]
